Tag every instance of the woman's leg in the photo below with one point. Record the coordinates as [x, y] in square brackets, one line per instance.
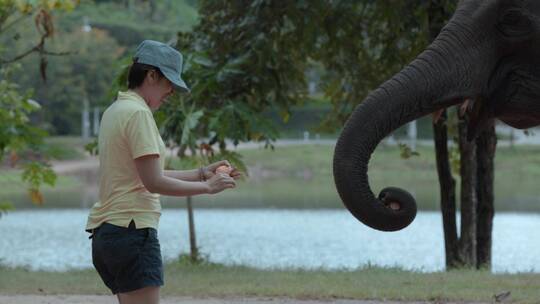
[146, 295]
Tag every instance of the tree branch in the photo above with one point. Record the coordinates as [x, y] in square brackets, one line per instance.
[37, 48]
[21, 56]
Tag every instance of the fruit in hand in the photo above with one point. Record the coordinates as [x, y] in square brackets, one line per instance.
[224, 169]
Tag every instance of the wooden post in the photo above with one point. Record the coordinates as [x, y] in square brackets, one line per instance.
[194, 253]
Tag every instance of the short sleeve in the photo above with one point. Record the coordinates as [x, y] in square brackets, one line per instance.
[142, 134]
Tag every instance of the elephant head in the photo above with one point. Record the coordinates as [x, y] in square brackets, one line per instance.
[489, 53]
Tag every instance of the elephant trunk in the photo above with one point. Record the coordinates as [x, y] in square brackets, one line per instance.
[435, 80]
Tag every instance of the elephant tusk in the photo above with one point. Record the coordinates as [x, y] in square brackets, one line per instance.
[437, 115]
[465, 107]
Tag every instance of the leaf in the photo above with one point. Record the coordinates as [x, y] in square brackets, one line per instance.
[5, 207]
[92, 147]
[406, 152]
[190, 123]
[34, 104]
[455, 160]
[285, 115]
[203, 61]
[35, 174]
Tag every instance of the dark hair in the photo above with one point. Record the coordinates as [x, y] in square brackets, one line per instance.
[137, 73]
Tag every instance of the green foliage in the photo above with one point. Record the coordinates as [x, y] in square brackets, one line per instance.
[130, 22]
[454, 158]
[240, 62]
[16, 130]
[92, 54]
[406, 151]
[245, 59]
[36, 174]
[246, 55]
[363, 43]
[85, 75]
[29, 6]
[92, 147]
[185, 259]
[5, 207]
[15, 109]
[59, 152]
[12, 12]
[120, 79]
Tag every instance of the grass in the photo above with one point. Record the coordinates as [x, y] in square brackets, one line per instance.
[64, 147]
[300, 177]
[66, 193]
[10, 182]
[224, 281]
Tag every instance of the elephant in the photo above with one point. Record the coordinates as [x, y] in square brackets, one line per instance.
[488, 53]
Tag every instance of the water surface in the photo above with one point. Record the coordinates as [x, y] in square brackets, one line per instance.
[269, 239]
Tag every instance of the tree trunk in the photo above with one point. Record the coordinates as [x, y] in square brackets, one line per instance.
[447, 187]
[152, 10]
[486, 146]
[194, 251]
[437, 17]
[473, 248]
[468, 172]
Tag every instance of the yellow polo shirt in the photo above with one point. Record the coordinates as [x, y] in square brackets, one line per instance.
[127, 131]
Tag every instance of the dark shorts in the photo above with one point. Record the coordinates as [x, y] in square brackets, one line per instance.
[127, 259]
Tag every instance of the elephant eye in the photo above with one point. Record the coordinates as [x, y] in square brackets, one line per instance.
[514, 24]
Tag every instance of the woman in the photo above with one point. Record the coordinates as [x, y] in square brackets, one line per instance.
[125, 248]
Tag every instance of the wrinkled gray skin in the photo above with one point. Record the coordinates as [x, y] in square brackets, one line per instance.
[488, 52]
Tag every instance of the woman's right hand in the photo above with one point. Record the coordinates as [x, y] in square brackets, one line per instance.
[220, 182]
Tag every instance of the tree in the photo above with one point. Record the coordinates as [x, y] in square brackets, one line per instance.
[389, 40]
[241, 60]
[246, 57]
[158, 20]
[85, 75]
[262, 47]
[473, 247]
[16, 132]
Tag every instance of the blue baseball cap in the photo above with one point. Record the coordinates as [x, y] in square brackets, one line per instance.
[166, 58]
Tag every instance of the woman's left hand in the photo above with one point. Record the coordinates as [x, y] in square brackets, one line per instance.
[210, 170]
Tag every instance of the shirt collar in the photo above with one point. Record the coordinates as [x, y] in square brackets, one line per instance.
[133, 96]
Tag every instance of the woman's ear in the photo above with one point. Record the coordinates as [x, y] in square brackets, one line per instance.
[152, 76]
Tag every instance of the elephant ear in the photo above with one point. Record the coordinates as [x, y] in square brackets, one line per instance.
[481, 115]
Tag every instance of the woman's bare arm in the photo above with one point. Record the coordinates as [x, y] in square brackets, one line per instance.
[203, 172]
[155, 181]
[185, 175]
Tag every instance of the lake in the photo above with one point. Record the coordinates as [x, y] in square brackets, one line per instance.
[55, 240]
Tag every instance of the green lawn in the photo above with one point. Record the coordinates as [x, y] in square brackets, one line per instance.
[301, 177]
[15, 191]
[224, 281]
[64, 147]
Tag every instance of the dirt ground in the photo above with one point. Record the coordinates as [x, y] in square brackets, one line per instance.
[95, 299]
